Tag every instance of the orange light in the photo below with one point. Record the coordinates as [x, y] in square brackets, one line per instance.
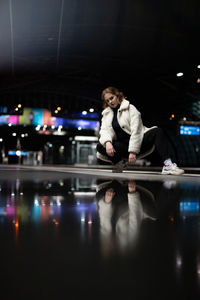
[58, 108]
[172, 219]
[16, 224]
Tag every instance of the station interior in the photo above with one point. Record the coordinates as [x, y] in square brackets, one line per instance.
[69, 225]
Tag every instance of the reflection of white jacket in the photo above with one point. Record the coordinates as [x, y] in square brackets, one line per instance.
[129, 119]
[128, 222]
[105, 216]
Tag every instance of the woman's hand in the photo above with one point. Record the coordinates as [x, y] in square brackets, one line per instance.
[131, 186]
[110, 149]
[132, 158]
[110, 193]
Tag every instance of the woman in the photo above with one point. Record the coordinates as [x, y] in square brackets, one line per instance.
[123, 135]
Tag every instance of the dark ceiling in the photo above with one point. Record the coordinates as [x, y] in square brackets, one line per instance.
[64, 52]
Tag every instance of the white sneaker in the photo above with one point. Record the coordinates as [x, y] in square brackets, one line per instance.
[172, 169]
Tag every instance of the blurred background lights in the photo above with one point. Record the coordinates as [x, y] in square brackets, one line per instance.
[61, 183]
[58, 203]
[37, 127]
[36, 202]
[179, 74]
[17, 224]
[18, 153]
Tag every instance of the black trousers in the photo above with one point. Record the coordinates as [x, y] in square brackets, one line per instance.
[155, 136]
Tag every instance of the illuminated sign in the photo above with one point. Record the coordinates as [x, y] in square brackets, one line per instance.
[189, 130]
[43, 117]
[76, 123]
[17, 153]
[87, 115]
[189, 207]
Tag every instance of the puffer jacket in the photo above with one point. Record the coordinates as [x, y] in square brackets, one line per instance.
[129, 119]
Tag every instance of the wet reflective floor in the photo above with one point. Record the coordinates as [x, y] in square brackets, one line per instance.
[94, 237]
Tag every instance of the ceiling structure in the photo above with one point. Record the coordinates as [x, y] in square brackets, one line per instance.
[64, 52]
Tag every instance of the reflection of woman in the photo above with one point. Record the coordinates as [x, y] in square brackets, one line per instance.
[121, 213]
[123, 135]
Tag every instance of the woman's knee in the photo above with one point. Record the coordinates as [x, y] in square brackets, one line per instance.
[159, 131]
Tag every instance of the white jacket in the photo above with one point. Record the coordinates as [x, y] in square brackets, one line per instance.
[130, 121]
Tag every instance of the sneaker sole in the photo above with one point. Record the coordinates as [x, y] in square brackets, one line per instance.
[171, 173]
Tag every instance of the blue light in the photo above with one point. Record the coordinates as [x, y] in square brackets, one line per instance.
[85, 207]
[87, 115]
[189, 130]
[3, 109]
[15, 153]
[189, 208]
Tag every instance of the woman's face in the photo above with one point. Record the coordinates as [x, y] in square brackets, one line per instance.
[110, 193]
[111, 100]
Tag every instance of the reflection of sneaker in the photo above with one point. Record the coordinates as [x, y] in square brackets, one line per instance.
[120, 166]
[172, 170]
[169, 184]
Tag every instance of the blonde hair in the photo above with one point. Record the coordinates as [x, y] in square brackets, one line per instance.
[114, 91]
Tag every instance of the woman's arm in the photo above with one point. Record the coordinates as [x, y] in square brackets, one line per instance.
[106, 134]
[137, 128]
